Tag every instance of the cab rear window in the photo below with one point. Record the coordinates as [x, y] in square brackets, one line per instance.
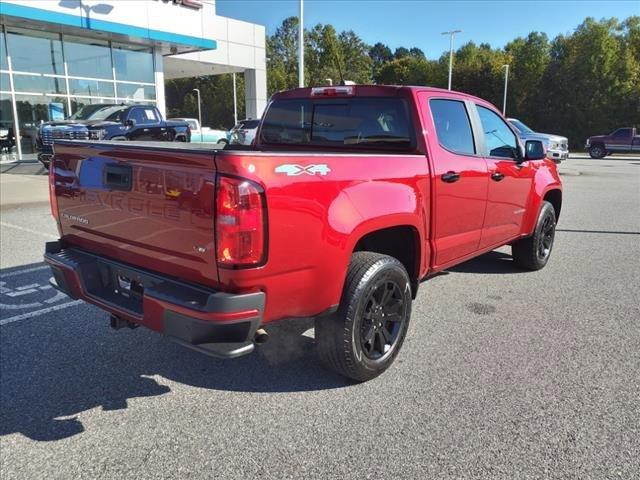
[358, 123]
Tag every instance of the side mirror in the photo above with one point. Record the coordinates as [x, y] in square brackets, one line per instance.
[534, 150]
[130, 123]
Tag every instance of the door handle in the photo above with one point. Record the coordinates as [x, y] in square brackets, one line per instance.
[450, 177]
[497, 176]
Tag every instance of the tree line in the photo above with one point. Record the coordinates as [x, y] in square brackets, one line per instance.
[579, 84]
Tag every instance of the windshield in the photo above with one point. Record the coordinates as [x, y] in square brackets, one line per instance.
[362, 123]
[520, 126]
[99, 112]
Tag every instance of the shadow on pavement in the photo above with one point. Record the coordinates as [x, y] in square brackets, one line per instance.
[62, 363]
[492, 262]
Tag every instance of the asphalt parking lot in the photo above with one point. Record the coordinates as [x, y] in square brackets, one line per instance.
[504, 374]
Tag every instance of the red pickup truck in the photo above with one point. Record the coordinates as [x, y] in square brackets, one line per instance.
[348, 199]
[622, 140]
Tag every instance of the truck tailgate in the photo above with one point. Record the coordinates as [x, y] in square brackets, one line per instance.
[148, 207]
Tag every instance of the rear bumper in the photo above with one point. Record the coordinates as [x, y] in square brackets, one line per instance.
[215, 323]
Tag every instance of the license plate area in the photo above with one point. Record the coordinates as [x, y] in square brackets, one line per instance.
[118, 286]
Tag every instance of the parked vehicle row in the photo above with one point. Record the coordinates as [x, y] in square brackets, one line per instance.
[350, 197]
[133, 122]
[110, 122]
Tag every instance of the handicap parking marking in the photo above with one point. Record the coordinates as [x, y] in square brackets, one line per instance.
[37, 313]
[27, 293]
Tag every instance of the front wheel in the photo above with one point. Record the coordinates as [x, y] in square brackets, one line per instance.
[364, 337]
[597, 151]
[532, 253]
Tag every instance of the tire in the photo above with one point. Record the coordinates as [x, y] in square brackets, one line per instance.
[532, 253]
[597, 151]
[223, 142]
[357, 341]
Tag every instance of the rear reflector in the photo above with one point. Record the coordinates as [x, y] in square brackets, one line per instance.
[53, 200]
[332, 91]
[240, 223]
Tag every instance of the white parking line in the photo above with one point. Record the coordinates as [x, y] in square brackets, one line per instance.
[37, 313]
[26, 270]
[29, 230]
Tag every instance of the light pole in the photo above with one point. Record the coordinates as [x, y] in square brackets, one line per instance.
[506, 81]
[197, 90]
[451, 34]
[301, 46]
[235, 102]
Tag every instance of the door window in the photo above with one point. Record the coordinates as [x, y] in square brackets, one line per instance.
[499, 139]
[453, 127]
[144, 116]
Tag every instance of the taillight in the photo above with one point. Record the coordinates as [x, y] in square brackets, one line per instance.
[240, 223]
[53, 199]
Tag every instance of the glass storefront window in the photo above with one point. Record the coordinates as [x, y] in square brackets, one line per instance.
[88, 58]
[7, 131]
[136, 92]
[4, 65]
[33, 51]
[78, 103]
[133, 63]
[39, 84]
[92, 88]
[33, 110]
[5, 83]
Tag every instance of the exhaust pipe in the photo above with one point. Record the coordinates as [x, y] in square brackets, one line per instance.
[117, 323]
[261, 336]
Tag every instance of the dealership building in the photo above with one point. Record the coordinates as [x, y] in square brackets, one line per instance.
[59, 55]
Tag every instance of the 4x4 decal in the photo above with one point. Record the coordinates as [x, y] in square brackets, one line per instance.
[292, 170]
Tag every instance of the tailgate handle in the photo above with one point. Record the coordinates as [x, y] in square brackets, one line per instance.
[117, 177]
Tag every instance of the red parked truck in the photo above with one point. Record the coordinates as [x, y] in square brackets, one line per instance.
[622, 140]
[348, 199]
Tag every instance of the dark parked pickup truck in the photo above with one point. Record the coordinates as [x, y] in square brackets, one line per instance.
[622, 140]
[110, 122]
[349, 197]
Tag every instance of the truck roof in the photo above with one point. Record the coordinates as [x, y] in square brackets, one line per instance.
[371, 90]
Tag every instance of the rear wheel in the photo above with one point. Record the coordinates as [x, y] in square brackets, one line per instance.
[364, 337]
[223, 142]
[532, 253]
[597, 151]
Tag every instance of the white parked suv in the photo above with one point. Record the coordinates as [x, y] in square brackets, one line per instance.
[557, 146]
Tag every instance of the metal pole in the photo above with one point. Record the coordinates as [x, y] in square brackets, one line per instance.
[451, 34]
[301, 46]
[197, 90]
[235, 101]
[506, 81]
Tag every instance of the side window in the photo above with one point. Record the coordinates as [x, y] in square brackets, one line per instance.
[622, 133]
[498, 137]
[137, 114]
[144, 116]
[453, 126]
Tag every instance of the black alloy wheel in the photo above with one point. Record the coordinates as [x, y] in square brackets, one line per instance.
[382, 320]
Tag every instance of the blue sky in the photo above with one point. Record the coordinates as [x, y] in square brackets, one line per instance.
[419, 23]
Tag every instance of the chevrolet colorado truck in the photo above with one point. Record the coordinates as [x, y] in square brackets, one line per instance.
[348, 199]
[622, 140]
[110, 122]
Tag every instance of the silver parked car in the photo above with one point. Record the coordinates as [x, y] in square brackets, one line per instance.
[244, 132]
[557, 146]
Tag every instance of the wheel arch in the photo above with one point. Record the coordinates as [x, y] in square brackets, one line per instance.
[554, 197]
[401, 241]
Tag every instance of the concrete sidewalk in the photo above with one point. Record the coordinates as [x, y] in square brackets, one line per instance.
[22, 184]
